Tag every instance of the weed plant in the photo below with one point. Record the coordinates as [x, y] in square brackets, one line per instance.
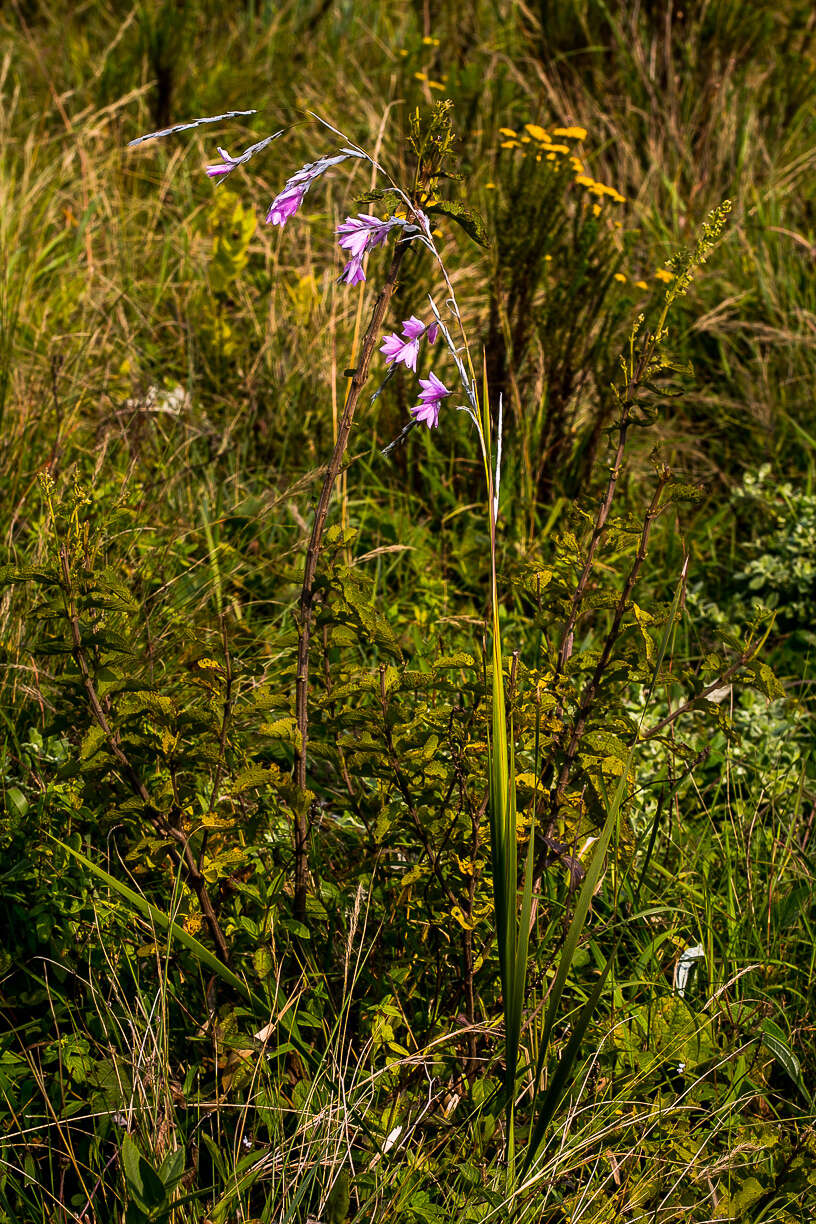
[407, 823]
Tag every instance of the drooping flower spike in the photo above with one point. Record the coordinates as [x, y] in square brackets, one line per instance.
[288, 201]
[193, 123]
[432, 393]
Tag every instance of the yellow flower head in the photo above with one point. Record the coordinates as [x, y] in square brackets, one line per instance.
[662, 274]
[537, 132]
[620, 277]
[641, 285]
[571, 133]
[507, 132]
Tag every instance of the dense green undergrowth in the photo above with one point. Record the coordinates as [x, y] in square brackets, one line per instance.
[185, 1036]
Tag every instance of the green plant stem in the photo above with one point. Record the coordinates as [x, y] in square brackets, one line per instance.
[301, 824]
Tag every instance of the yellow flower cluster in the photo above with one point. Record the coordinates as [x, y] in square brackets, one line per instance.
[423, 76]
[549, 147]
[661, 274]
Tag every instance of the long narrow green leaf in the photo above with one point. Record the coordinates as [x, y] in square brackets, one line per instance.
[161, 920]
[558, 1083]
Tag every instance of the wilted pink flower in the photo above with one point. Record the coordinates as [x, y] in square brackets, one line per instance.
[432, 393]
[288, 201]
[229, 163]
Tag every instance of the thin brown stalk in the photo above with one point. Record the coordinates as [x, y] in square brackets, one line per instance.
[591, 688]
[719, 683]
[358, 381]
[567, 638]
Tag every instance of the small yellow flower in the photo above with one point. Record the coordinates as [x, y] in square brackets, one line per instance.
[583, 180]
[641, 285]
[510, 144]
[577, 165]
[507, 132]
[525, 140]
[620, 277]
[571, 133]
[403, 52]
[662, 274]
[490, 186]
[556, 148]
[548, 258]
[537, 132]
[420, 76]
[436, 84]
[427, 41]
[550, 157]
[596, 210]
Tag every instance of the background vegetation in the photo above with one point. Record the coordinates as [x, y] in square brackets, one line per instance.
[172, 373]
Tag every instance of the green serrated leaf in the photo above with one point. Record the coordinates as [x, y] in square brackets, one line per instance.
[93, 740]
[255, 776]
[470, 221]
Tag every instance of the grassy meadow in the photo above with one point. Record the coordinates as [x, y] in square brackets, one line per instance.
[408, 824]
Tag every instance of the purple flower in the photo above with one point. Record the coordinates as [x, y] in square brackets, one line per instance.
[223, 167]
[289, 200]
[396, 350]
[358, 235]
[362, 233]
[406, 351]
[432, 394]
[285, 206]
[353, 272]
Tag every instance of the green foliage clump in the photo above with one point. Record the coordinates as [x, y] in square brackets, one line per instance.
[178, 1039]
